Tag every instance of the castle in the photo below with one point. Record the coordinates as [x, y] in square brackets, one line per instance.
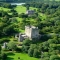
[31, 32]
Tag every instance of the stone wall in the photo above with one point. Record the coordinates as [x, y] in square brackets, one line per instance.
[31, 31]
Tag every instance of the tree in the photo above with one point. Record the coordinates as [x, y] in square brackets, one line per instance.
[46, 54]
[27, 7]
[12, 45]
[15, 14]
[52, 47]
[36, 53]
[10, 29]
[27, 42]
[30, 52]
[22, 15]
[45, 46]
[25, 48]
[54, 57]
[0, 56]
[0, 49]
[50, 41]
[4, 56]
[40, 47]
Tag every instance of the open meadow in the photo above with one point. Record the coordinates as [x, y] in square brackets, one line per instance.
[22, 9]
[23, 56]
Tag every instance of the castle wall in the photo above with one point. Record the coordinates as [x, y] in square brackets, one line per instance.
[34, 33]
[20, 38]
[31, 32]
[28, 31]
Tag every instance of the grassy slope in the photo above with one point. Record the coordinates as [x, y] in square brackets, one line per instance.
[4, 9]
[22, 9]
[21, 55]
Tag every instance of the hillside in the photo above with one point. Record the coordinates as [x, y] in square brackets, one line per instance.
[30, 36]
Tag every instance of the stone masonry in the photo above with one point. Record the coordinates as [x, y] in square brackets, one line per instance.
[30, 33]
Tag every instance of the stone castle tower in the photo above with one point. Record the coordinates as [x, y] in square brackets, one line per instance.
[31, 32]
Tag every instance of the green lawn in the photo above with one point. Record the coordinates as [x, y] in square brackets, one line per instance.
[4, 9]
[32, 8]
[22, 9]
[23, 56]
[19, 9]
[19, 19]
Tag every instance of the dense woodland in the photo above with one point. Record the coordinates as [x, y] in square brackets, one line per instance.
[28, 0]
[48, 46]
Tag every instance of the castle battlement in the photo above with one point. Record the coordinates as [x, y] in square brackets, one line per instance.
[31, 27]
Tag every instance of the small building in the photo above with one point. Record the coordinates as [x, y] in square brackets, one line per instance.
[30, 12]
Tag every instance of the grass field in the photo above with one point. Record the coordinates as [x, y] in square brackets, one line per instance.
[22, 9]
[4, 9]
[23, 56]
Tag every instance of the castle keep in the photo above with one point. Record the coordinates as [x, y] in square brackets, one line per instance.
[30, 33]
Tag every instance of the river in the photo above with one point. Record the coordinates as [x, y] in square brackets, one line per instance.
[17, 3]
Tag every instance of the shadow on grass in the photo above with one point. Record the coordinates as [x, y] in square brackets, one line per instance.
[10, 54]
[21, 59]
[9, 58]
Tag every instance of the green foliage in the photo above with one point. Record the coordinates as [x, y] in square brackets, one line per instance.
[9, 29]
[33, 51]
[22, 15]
[12, 45]
[27, 42]
[36, 53]
[46, 54]
[25, 48]
[4, 56]
[27, 7]
[0, 49]
[54, 57]
[4, 40]
[30, 52]
[46, 18]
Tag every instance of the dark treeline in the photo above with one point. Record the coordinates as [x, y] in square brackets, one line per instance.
[40, 4]
[26, 0]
